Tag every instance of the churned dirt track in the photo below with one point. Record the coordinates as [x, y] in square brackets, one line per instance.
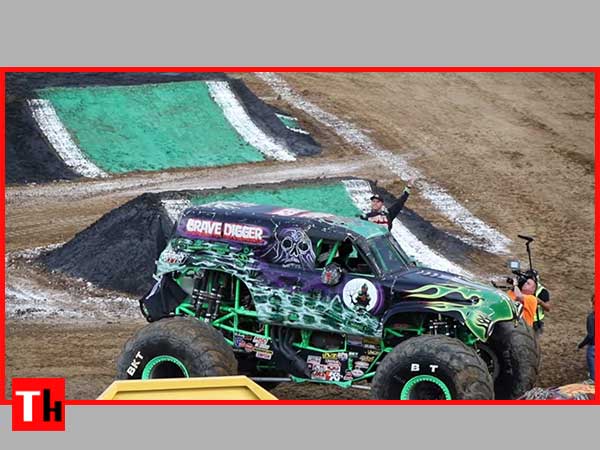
[516, 149]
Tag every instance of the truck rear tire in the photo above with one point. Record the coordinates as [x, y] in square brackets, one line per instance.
[518, 354]
[432, 368]
[178, 347]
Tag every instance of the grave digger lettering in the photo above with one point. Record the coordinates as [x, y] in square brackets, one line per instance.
[251, 234]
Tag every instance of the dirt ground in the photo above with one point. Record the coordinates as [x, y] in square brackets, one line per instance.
[516, 148]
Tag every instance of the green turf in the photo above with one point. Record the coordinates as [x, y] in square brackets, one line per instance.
[150, 127]
[290, 122]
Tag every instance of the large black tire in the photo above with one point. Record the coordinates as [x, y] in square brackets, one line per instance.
[518, 354]
[431, 368]
[175, 348]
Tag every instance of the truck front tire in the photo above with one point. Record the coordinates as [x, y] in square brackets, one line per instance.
[178, 347]
[432, 368]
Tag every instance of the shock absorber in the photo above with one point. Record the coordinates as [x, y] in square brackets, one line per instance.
[209, 296]
[218, 296]
[199, 286]
[213, 295]
[208, 288]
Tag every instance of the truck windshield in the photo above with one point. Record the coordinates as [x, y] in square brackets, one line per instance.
[390, 256]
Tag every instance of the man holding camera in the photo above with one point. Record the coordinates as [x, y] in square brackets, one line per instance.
[525, 294]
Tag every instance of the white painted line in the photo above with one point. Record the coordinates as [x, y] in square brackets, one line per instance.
[50, 124]
[285, 116]
[360, 192]
[297, 130]
[175, 208]
[422, 253]
[482, 235]
[240, 120]
[294, 129]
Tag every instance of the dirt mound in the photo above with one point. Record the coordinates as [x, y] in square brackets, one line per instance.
[31, 158]
[119, 251]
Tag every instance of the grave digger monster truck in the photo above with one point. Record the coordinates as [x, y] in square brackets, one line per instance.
[275, 292]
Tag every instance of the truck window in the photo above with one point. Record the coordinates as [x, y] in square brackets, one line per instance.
[343, 253]
[390, 256]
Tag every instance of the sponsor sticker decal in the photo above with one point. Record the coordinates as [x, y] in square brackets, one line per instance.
[238, 341]
[264, 354]
[172, 257]
[334, 366]
[361, 365]
[357, 373]
[261, 342]
[334, 376]
[343, 356]
[313, 359]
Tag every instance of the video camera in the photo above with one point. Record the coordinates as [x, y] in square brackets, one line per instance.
[521, 275]
[515, 266]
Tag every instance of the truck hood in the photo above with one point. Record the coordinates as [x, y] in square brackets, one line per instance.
[425, 283]
[478, 306]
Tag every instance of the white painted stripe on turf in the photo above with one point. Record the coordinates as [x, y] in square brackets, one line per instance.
[422, 253]
[240, 120]
[360, 193]
[294, 129]
[482, 235]
[297, 130]
[50, 124]
[175, 208]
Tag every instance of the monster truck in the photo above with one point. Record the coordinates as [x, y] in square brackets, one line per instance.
[279, 293]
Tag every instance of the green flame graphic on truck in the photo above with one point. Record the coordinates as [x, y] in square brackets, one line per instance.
[479, 314]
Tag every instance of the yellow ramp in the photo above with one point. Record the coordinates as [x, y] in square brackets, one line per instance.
[209, 388]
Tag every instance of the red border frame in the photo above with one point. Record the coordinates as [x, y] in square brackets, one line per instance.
[3, 70]
[3, 400]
